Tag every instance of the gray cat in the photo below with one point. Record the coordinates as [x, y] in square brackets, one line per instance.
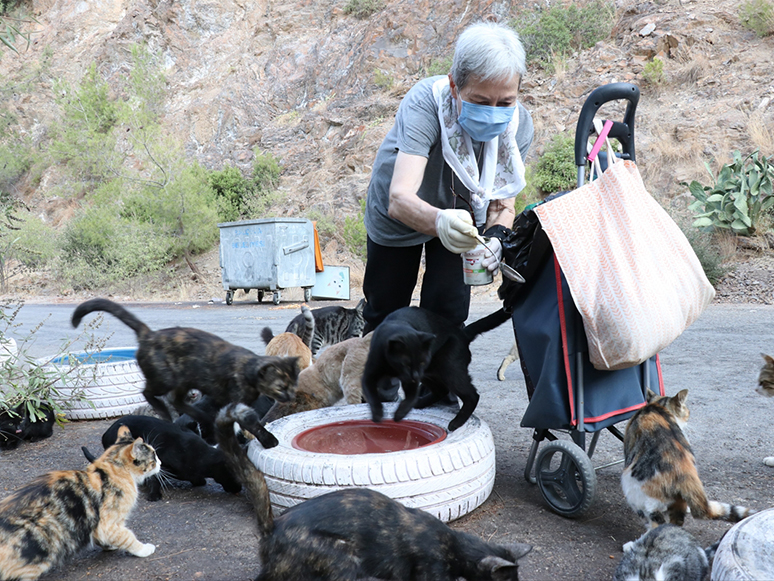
[667, 553]
[331, 325]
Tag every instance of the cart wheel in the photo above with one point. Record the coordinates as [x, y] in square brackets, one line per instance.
[229, 297]
[247, 290]
[260, 296]
[307, 295]
[566, 478]
[276, 297]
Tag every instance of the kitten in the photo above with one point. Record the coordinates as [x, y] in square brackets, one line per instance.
[16, 425]
[766, 387]
[667, 553]
[513, 355]
[417, 346]
[331, 325]
[58, 513]
[184, 455]
[335, 375]
[359, 533]
[180, 359]
[660, 480]
[287, 345]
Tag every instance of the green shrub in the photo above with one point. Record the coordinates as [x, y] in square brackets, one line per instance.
[653, 72]
[266, 171]
[758, 16]
[382, 79]
[738, 197]
[326, 226]
[354, 233]
[708, 254]
[15, 161]
[37, 244]
[363, 8]
[441, 66]
[556, 171]
[231, 190]
[561, 29]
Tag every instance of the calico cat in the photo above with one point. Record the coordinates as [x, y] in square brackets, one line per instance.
[180, 359]
[667, 553]
[184, 455]
[359, 533]
[287, 345]
[335, 375]
[766, 387]
[16, 425]
[513, 355]
[417, 346]
[331, 325]
[660, 480]
[59, 513]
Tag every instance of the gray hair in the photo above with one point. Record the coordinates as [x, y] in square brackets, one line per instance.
[487, 51]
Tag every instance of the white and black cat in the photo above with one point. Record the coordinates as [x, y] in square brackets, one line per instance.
[184, 455]
[331, 325]
[417, 347]
[666, 553]
[359, 534]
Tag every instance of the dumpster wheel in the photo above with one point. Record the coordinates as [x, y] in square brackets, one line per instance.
[567, 482]
[276, 297]
[229, 297]
[260, 296]
[307, 294]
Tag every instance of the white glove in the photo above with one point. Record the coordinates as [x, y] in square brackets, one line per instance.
[456, 230]
[492, 263]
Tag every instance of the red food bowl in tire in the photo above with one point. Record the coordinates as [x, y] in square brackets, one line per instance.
[367, 437]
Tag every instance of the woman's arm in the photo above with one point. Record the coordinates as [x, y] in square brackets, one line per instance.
[405, 205]
[501, 212]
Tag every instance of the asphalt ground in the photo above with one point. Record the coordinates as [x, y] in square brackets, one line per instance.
[206, 533]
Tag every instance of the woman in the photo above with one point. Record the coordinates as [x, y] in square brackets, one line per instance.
[450, 167]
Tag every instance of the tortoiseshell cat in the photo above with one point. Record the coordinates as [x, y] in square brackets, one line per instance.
[180, 359]
[660, 480]
[335, 375]
[59, 513]
[766, 387]
[331, 325]
[417, 346]
[359, 534]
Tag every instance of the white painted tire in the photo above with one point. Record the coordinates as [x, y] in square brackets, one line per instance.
[745, 553]
[115, 391]
[447, 479]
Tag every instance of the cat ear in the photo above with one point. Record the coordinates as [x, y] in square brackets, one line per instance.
[427, 339]
[396, 345]
[768, 358]
[651, 395]
[517, 550]
[498, 568]
[124, 433]
[681, 395]
[136, 447]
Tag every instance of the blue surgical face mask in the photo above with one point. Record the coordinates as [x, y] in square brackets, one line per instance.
[484, 122]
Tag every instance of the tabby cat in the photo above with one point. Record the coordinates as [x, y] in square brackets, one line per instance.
[667, 553]
[180, 359]
[766, 387]
[331, 325]
[660, 480]
[359, 533]
[58, 513]
[417, 346]
[335, 375]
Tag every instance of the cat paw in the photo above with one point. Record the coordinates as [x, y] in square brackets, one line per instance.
[628, 546]
[153, 497]
[769, 461]
[147, 549]
[268, 440]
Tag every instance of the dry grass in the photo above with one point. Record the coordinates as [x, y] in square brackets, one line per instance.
[760, 132]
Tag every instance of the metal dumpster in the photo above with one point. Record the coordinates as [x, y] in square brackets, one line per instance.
[268, 255]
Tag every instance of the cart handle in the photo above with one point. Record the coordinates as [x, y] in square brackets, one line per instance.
[623, 131]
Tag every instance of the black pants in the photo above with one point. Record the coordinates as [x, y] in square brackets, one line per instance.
[391, 275]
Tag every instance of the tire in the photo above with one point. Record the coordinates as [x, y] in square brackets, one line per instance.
[744, 553]
[447, 479]
[276, 297]
[568, 483]
[260, 296]
[307, 294]
[229, 297]
[116, 389]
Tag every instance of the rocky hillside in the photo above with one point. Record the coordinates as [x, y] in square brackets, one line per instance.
[318, 88]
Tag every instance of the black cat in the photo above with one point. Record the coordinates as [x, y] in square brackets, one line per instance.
[417, 347]
[183, 454]
[177, 360]
[359, 534]
[15, 426]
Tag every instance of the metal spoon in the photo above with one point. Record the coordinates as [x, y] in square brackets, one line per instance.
[508, 271]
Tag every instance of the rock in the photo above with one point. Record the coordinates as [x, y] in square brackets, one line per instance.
[647, 29]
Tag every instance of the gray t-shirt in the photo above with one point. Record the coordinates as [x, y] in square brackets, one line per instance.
[417, 131]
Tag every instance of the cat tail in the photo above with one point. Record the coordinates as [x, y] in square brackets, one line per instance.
[114, 309]
[700, 507]
[486, 324]
[308, 332]
[267, 335]
[89, 456]
[241, 465]
[712, 549]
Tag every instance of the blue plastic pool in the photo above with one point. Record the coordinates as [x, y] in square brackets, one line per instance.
[112, 355]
